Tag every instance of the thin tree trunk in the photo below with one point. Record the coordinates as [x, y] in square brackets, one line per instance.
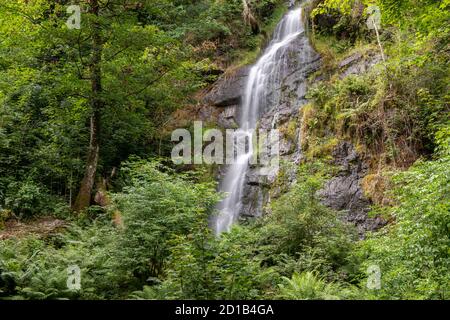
[85, 193]
[249, 18]
[378, 39]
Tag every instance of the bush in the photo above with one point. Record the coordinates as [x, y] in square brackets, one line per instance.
[309, 286]
[301, 234]
[413, 252]
[34, 268]
[158, 206]
[248, 262]
[202, 267]
[29, 198]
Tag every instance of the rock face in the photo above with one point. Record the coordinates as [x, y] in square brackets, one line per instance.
[228, 90]
[226, 94]
[279, 109]
[344, 191]
[227, 118]
[358, 63]
[252, 201]
[284, 105]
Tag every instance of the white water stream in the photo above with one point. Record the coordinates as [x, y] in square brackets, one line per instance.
[262, 89]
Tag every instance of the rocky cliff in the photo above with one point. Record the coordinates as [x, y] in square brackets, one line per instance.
[343, 192]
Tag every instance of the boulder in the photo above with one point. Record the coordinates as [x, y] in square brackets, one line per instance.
[228, 90]
[252, 201]
[228, 118]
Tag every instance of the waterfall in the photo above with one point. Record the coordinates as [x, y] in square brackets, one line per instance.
[263, 90]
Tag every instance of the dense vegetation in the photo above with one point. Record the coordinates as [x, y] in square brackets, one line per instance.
[82, 139]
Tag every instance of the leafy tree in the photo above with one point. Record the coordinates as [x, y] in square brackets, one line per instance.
[120, 75]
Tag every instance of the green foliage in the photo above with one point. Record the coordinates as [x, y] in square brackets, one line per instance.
[156, 207]
[301, 234]
[248, 262]
[202, 267]
[397, 112]
[27, 199]
[393, 111]
[344, 6]
[152, 63]
[413, 253]
[428, 18]
[156, 55]
[344, 19]
[32, 268]
[216, 29]
[308, 286]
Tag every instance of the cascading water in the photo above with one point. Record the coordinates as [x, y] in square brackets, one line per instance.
[262, 92]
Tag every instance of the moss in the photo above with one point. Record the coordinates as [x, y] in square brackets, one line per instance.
[307, 114]
[281, 183]
[333, 51]
[271, 24]
[289, 130]
[322, 148]
[316, 136]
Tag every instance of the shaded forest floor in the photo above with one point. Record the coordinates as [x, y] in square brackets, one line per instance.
[43, 226]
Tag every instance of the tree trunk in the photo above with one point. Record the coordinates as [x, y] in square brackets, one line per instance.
[249, 18]
[85, 193]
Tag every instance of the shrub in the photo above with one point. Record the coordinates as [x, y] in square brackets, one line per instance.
[204, 267]
[158, 206]
[413, 253]
[35, 268]
[309, 286]
[28, 198]
[304, 234]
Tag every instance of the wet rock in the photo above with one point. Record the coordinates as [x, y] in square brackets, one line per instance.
[256, 177]
[206, 113]
[294, 82]
[285, 106]
[252, 201]
[277, 108]
[228, 90]
[285, 112]
[344, 191]
[228, 118]
[299, 67]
